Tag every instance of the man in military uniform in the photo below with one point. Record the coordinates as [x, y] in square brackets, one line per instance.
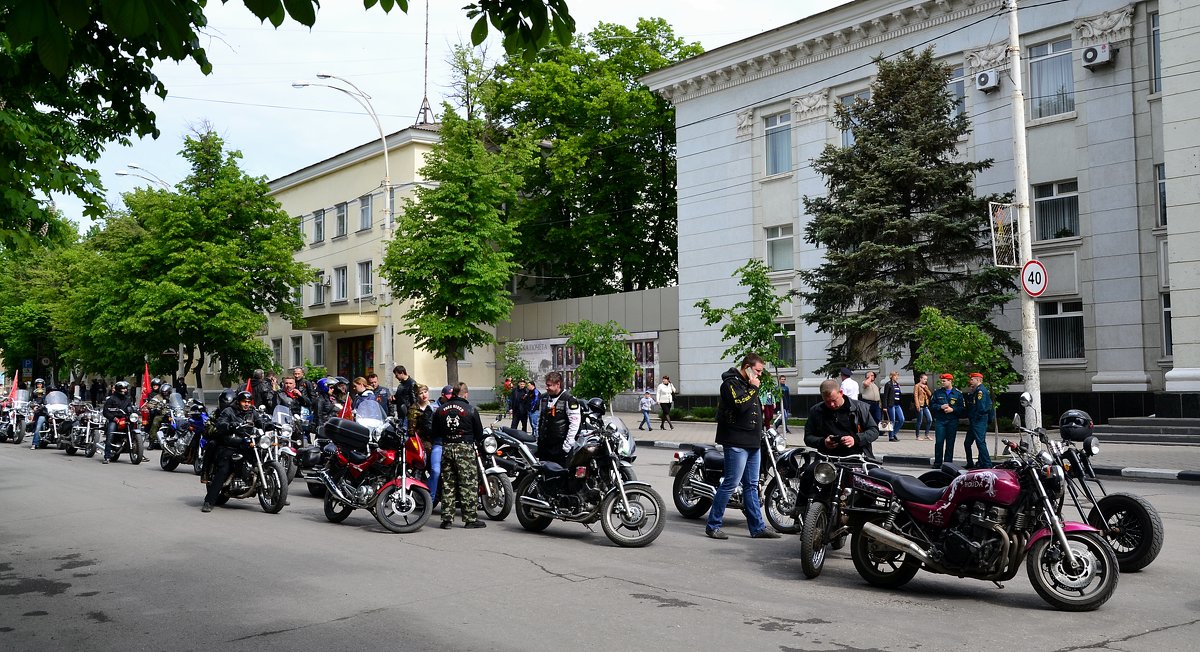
[979, 412]
[458, 425]
[559, 422]
[947, 405]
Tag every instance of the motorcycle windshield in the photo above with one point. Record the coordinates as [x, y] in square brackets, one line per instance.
[282, 416]
[21, 399]
[370, 414]
[57, 399]
[176, 402]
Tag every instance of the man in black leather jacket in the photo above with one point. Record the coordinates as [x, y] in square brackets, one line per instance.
[230, 437]
[118, 404]
[839, 425]
[559, 422]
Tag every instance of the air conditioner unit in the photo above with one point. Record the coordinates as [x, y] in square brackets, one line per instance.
[1101, 54]
[987, 81]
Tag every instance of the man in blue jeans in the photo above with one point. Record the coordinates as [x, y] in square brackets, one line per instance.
[739, 429]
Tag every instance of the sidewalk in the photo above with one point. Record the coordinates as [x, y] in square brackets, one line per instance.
[1160, 463]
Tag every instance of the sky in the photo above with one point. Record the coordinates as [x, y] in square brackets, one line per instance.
[249, 99]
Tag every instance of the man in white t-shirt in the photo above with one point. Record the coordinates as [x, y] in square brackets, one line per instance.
[849, 385]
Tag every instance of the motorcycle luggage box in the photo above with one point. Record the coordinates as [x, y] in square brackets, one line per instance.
[345, 432]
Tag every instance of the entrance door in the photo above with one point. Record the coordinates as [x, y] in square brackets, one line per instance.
[356, 356]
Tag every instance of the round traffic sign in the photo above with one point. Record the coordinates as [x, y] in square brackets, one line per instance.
[1033, 278]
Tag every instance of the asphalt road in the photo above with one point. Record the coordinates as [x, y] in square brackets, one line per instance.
[118, 557]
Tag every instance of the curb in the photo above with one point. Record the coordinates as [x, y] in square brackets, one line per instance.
[1130, 473]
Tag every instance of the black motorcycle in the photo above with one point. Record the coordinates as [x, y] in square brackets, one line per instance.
[834, 506]
[254, 473]
[87, 432]
[126, 437]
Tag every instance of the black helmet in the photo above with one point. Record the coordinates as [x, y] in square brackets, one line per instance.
[121, 387]
[1075, 425]
[341, 380]
[225, 399]
[596, 405]
[244, 396]
[39, 381]
[164, 389]
[155, 382]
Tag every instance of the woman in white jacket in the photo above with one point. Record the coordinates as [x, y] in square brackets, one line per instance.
[664, 395]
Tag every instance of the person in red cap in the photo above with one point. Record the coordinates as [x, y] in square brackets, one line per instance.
[979, 412]
[947, 405]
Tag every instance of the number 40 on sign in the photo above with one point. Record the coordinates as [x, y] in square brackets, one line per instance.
[1033, 278]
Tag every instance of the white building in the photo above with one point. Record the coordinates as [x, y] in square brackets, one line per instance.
[1112, 154]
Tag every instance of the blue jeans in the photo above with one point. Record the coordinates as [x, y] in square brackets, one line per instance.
[741, 465]
[435, 467]
[109, 429]
[646, 420]
[37, 430]
[533, 421]
[896, 414]
[924, 417]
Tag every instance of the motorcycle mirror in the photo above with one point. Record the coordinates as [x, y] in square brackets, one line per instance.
[1016, 419]
[262, 408]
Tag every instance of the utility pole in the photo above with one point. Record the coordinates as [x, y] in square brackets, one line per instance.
[1029, 335]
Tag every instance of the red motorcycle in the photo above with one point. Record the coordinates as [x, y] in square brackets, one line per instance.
[982, 526]
[373, 467]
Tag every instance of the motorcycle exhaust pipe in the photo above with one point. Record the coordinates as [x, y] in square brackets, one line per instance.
[330, 485]
[897, 542]
[702, 488]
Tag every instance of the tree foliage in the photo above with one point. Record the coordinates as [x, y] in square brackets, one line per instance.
[749, 325]
[901, 226]
[948, 346]
[73, 74]
[453, 257]
[608, 364]
[606, 173]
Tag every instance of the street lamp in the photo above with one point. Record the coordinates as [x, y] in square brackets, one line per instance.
[364, 100]
[130, 173]
[135, 166]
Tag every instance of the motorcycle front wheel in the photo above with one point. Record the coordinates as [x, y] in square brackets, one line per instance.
[71, 450]
[688, 503]
[812, 539]
[638, 525]
[779, 503]
[497, 506]
[880, 565]
[401, 513]
[529, 520]
[335, 510]
[90, 450]
[135, 449]
[1133, 529]
[1082, 588]
[273, 495]
[18, 435]
[167, 462]
[290, 467]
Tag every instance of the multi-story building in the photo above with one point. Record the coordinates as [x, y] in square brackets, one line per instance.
[353, 327]
[1112, 139]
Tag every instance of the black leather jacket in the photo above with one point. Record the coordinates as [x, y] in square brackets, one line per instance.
[853, 418]
[118, 406]
[229, 422]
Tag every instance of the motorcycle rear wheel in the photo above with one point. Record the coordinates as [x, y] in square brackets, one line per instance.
[812, 539]
[641, 524]
[273, 495]
[779, 499]
[401, 514]
[529, 520]
[316, 489]
[880, 565]
[1133, 529]
[71, 450]
[167, 462]
[1073, 589]
[500, 503]
[335, 510]
[688, 503]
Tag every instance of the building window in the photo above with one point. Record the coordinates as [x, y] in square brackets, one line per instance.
[1155, 56]
[1160, 175]
[1056, 209]
[364, 212]
[1052, 86]
[318, 342]
[339, 284]
[298, 296]
[319, 290]
[297, 351]
[848, 101]
[787, 344]
[779, 143]
[1168, 340]
[340, 221]
[366, 285]
[319, 225]
[1060, 330]
[957, 87]
[277, 351]
[779, 248]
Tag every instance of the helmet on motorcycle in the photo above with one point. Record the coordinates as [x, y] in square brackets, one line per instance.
[244, 396]
[1075, 425]
[596, 405]
[164, 389]
[225, 399]
[121, 387]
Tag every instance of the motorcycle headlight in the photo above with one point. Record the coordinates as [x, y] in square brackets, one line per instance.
[490, 445]
[265, 441]
[824, 473]
[134, 418]
[1091, 446]
[1054, 473]
[1046, 458]
[625, 448]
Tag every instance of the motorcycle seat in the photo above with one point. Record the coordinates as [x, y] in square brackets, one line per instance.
[552, 469]
[714, 459]
[355, 456]
[908, 487]
[519, 435]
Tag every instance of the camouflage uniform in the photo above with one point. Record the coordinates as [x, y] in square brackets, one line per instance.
[460, 481]
[157, 406]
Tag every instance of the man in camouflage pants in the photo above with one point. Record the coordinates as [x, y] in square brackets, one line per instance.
[458, 425]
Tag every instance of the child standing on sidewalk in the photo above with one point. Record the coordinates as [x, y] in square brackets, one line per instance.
[646, 404]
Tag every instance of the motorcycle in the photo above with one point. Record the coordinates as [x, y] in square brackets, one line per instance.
[698, 471]
[176, 436]
[197, 425]
[254, 473]
[127, 437]
[1127, 521]
[57, 425]
[19, 414]
[281, 449]
[834, 505]
[982, 527]
[592, 488]
[88, 431]
[496, 496]
[371, 466]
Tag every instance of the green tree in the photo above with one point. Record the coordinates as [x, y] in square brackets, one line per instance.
[901, 226]
[750, 324]
[949, 346]
[453, 257]
[606, 173]
[512, 366]
[608, 365]
[73, 74]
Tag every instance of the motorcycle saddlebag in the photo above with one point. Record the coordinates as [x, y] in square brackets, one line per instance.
[345, 432]
[310, 456]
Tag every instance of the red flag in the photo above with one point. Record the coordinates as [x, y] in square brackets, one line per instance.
[145, 386]
[12, 393]
[347, 411]
[250, 388]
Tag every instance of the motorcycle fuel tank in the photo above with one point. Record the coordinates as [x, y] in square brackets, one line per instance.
[995, 486]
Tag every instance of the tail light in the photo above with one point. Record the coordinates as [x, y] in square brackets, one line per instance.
[581, 471]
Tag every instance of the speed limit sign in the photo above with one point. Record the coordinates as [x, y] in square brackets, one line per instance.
[1033, 278]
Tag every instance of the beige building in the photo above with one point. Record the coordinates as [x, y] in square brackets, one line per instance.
[352, 326]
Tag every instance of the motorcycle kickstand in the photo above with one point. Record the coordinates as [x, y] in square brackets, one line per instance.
[998, 585]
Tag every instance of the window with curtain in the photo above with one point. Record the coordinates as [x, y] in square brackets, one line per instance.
[340, 221]
[1060, 330]
[779, 143]
[364, 212]
[848, 101]
[787, 344]
[319, 225]
[1155, 56]
[318, 343]
[779, 248]
[366, 284]
[1056, 210]
[339, 283]
[297, 351]
[958, 89]
[1168, 340]
[1160, 176]
[1051, 79]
